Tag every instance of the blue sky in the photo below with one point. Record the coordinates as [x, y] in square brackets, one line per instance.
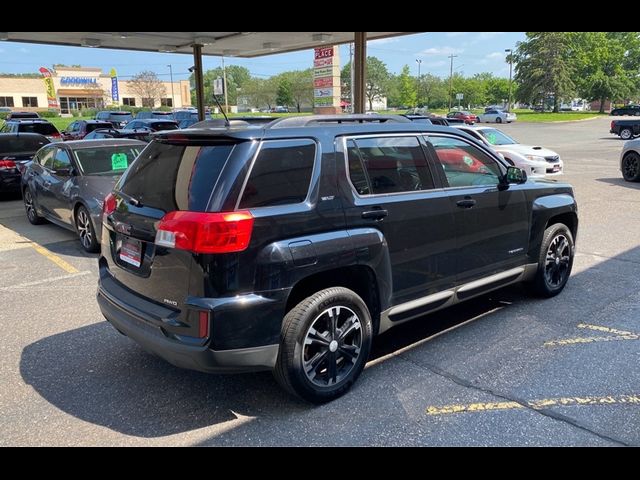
[476, 52]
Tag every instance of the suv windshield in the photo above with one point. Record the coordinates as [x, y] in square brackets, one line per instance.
[176, 177]
[496, 137]
[106, 160]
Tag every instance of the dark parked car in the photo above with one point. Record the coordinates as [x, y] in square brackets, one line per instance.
[116, 133]
[150, 125]
[40, 125]
[117, 119]
[246, 249]
[66, 183]
[15, 151]
[155, 114]
[18, 115]
[80, 128]
[628, 110]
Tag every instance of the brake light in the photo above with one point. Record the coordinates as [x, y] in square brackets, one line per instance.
[109, 204]
[6, 164]
[203, 326]
[612, 124]
[205, 232]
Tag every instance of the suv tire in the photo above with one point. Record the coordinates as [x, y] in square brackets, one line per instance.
[324, 344]
[555, 261]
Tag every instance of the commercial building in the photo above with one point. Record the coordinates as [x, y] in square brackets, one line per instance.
[77, 88]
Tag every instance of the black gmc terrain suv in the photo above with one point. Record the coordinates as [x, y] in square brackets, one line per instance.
[289, 247]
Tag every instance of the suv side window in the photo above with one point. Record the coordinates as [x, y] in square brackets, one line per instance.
[391, 165]
[280, 175]
[463, 164]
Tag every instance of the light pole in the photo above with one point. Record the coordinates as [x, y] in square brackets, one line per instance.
[510, 56]
[173, 99]
[452, 56]
[419, 62]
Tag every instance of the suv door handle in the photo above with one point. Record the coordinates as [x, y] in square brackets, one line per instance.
[376, 214]
[466, 202]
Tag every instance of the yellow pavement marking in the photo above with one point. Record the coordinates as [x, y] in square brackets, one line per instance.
[67, 267]
[617, 335]
[604, 329]
[535, 404]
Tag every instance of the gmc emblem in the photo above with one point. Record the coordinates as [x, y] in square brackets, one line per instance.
[122, 228]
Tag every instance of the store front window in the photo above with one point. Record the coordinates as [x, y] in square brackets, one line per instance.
[67, 104]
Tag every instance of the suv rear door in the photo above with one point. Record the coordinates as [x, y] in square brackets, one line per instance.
[492, 224]
[393, 189]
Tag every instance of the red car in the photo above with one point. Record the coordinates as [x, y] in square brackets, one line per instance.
[468, 117]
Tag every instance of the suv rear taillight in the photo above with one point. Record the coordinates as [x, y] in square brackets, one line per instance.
[109, 205]
[613, 122]
[6, 164]
[201, 232]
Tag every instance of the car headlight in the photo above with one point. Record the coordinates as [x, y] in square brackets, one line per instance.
[535, 158]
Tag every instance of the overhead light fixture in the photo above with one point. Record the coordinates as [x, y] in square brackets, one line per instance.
[204, 40]
[90, 42]
[122, 34]
[270, 45]
[321, 37]
[4, 35]
[167, 48]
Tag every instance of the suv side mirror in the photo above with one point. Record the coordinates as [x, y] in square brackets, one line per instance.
[515, 175]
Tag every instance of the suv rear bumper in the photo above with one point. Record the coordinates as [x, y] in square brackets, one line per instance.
[130, 321]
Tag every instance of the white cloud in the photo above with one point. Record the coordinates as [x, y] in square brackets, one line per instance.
[440, 51]
[494, 55]
[384, 40]
[456, 34]
[440, 63]
[486, 35]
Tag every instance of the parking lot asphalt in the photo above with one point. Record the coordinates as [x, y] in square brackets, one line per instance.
[502, 369]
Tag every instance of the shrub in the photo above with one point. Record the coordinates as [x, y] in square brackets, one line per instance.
[3, 115]
[49, 114]
[75, 113]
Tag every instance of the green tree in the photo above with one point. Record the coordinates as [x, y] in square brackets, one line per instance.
[301, 83]
[545, 67]
[284, 94]
[497, 90]
[407, 88]
[260, 92]
[378, 79]
[237, 77]
[607, 65]
[432, 91]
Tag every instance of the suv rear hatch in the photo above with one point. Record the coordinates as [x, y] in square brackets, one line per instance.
[164, 178]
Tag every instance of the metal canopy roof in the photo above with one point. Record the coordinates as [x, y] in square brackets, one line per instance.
[236, 44]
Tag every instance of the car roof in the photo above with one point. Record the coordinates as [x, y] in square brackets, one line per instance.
[95, 121]
[101, 142]
[28, 120]
[23, 134]
[115, 112]
[154, 120]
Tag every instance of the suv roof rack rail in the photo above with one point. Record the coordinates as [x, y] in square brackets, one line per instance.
[303, 121]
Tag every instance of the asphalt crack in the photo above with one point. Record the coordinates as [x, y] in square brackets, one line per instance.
[544, 412]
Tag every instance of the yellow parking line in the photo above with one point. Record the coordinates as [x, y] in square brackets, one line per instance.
[535, 404]
[67, 267]
[573, 341]
[604, 329]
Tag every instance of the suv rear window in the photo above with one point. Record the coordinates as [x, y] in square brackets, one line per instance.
[94, 126]
[25, 143]
[176, 177]
[41, 128]
[281, 174]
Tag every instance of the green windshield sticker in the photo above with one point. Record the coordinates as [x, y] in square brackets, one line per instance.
[119, 161]
[468, 160]
[492, 138]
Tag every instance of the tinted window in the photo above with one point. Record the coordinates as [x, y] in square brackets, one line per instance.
[496, 137]
[463, 164]
[92, 126]
[393, 164]
[356, 170]
[281, 174]
[164, 126]
[106, 160]
[41, 128]
[173, 177]
[25, 143]
[46, 157]
[61, 159]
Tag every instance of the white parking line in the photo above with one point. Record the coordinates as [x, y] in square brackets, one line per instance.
[46, 280]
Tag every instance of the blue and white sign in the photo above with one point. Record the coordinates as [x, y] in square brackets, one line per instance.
[114, 87]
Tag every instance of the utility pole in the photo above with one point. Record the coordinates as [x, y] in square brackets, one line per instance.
[351, 72]
[173, 98]
[224, 79]
[508, 50]
[452, 56]
[419, 62]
